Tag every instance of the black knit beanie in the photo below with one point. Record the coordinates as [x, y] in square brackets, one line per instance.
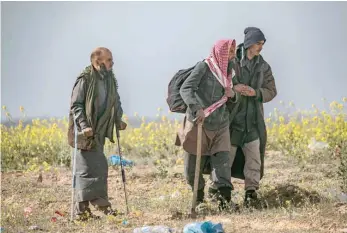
[252, 36]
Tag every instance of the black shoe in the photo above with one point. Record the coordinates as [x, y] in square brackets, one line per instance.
[224, 197]
[225, 202]
[251, 199]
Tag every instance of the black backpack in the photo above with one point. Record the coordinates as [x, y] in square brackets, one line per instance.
[174, 99]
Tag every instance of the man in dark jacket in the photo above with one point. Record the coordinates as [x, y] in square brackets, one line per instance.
[209, 84]
[256, 84]
[96, 104]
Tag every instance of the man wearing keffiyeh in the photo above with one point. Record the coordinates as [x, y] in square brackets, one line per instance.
[206, 92]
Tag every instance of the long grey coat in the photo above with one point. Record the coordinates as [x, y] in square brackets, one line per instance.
[266, 86]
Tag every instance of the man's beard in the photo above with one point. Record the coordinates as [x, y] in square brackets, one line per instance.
[104, 72]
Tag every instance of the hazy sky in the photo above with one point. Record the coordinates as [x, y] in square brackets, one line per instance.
[45, 45]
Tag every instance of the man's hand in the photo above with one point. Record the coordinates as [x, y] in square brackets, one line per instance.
[229, 92]
[245, 90]
[239, 87]
[122, 125]
[88, 132]
[248, 91]
[200, 116]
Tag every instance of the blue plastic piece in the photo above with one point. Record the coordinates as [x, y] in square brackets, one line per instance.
[115, 160]
[203, 227]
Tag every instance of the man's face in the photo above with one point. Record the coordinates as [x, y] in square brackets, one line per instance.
[107, 59]
[232, 53]
[256, 48]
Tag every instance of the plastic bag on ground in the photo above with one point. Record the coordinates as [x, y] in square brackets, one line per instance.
[203, 227]
[115, 160]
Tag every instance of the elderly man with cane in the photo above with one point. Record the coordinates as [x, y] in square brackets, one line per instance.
[96, 108]
[205, 92]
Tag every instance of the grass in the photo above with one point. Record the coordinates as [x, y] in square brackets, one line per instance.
[297, 200]
[300, 192]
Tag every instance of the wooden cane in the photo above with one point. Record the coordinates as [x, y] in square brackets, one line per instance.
[73, 161]
[197, 171]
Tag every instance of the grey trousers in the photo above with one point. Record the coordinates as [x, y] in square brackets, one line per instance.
[252, 163]
[220, 164]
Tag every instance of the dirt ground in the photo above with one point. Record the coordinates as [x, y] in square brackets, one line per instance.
[296, 200]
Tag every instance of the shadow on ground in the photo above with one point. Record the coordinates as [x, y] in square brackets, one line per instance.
[285, 195]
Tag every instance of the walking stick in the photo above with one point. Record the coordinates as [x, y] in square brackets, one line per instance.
[197, 170]
[73, 160]
[122, 170]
